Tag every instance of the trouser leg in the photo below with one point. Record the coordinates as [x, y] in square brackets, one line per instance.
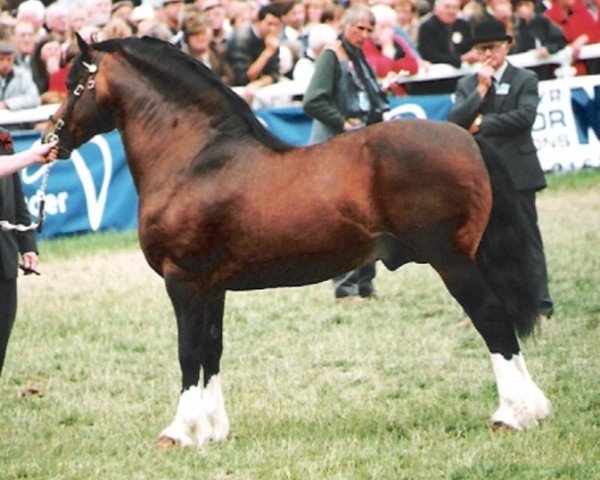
[8, 311]
[527, 203]
[355, 282]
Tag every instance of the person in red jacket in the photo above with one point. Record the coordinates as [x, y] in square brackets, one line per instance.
[579, 28]
[386, 52]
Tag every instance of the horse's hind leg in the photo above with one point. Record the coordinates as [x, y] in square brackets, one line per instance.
[201, 415]
[522, 403]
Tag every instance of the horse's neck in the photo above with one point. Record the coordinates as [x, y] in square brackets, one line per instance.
[158, 136]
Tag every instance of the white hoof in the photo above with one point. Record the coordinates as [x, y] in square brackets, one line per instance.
[522, 403]
[200, 418]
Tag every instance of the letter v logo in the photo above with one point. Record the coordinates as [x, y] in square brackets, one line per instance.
[95, 202]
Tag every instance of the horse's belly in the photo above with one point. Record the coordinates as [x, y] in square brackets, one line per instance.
[303, 269]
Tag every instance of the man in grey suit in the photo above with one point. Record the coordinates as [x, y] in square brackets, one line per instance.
[499, 104]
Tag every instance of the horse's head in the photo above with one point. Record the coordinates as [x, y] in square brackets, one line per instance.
[81, 115]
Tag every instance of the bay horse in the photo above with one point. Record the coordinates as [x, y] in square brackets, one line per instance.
[225, 205]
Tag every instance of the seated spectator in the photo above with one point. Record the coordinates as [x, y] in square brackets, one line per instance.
[294, 29]
[172, 11]
[198, 44]
[315, 10]
[241, 13]
[57, 22]
[117, 27]
[23, 40]
[534, 31]
[320, 37]
[100, 12]
[123, 9]
[17, 90]
[79, 17]
[407, 24]
[253, 50]
[502, 11]
[215, 11]
[34, 12]
[579, 28]
[386, 52]
[45, 62]
[444, 38]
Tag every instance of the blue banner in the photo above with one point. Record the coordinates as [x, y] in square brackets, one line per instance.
[91, 191]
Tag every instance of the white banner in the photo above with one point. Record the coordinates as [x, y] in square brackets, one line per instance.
[567, 126]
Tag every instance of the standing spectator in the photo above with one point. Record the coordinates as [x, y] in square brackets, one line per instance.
[17, 90]
[444, 38]
[579, 28]
[385, 51]
[24, 42]
[57, 22]
[499, 104]
[536, 32]
[343, 95]
[199, 44]
[253, 50]
[14, 209]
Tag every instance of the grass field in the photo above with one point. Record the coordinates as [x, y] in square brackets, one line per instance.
[314, 389]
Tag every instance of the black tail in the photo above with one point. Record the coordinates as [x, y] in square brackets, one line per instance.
[505, 256]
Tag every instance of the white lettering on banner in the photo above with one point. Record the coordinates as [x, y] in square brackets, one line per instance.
[56, 203]
[95, 203]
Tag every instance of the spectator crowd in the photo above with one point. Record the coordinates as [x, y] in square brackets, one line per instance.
[251, 44]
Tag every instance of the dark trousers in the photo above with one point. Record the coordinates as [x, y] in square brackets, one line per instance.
[356, 282]
[526, 200]
[8, 311]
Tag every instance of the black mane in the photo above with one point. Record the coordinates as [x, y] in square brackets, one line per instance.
[161, 62]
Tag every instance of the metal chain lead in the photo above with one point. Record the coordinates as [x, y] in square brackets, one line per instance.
[6, 225]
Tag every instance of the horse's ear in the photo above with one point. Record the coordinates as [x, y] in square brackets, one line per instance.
[84, 48]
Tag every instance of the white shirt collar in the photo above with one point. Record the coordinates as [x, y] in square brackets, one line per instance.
[498, 73]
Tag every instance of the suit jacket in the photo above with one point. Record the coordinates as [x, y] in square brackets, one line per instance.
[507, 120]
[13, 209]
[441, 43]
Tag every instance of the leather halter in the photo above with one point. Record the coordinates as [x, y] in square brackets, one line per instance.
[90, 83]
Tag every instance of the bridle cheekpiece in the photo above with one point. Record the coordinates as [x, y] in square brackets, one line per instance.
[90, 83]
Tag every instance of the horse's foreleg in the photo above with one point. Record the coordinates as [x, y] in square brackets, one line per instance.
[522, 403]
[201, 413]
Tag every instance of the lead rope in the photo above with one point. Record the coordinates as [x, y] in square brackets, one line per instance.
[7, 226]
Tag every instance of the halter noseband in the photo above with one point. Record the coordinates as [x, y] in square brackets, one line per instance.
[59, 124]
